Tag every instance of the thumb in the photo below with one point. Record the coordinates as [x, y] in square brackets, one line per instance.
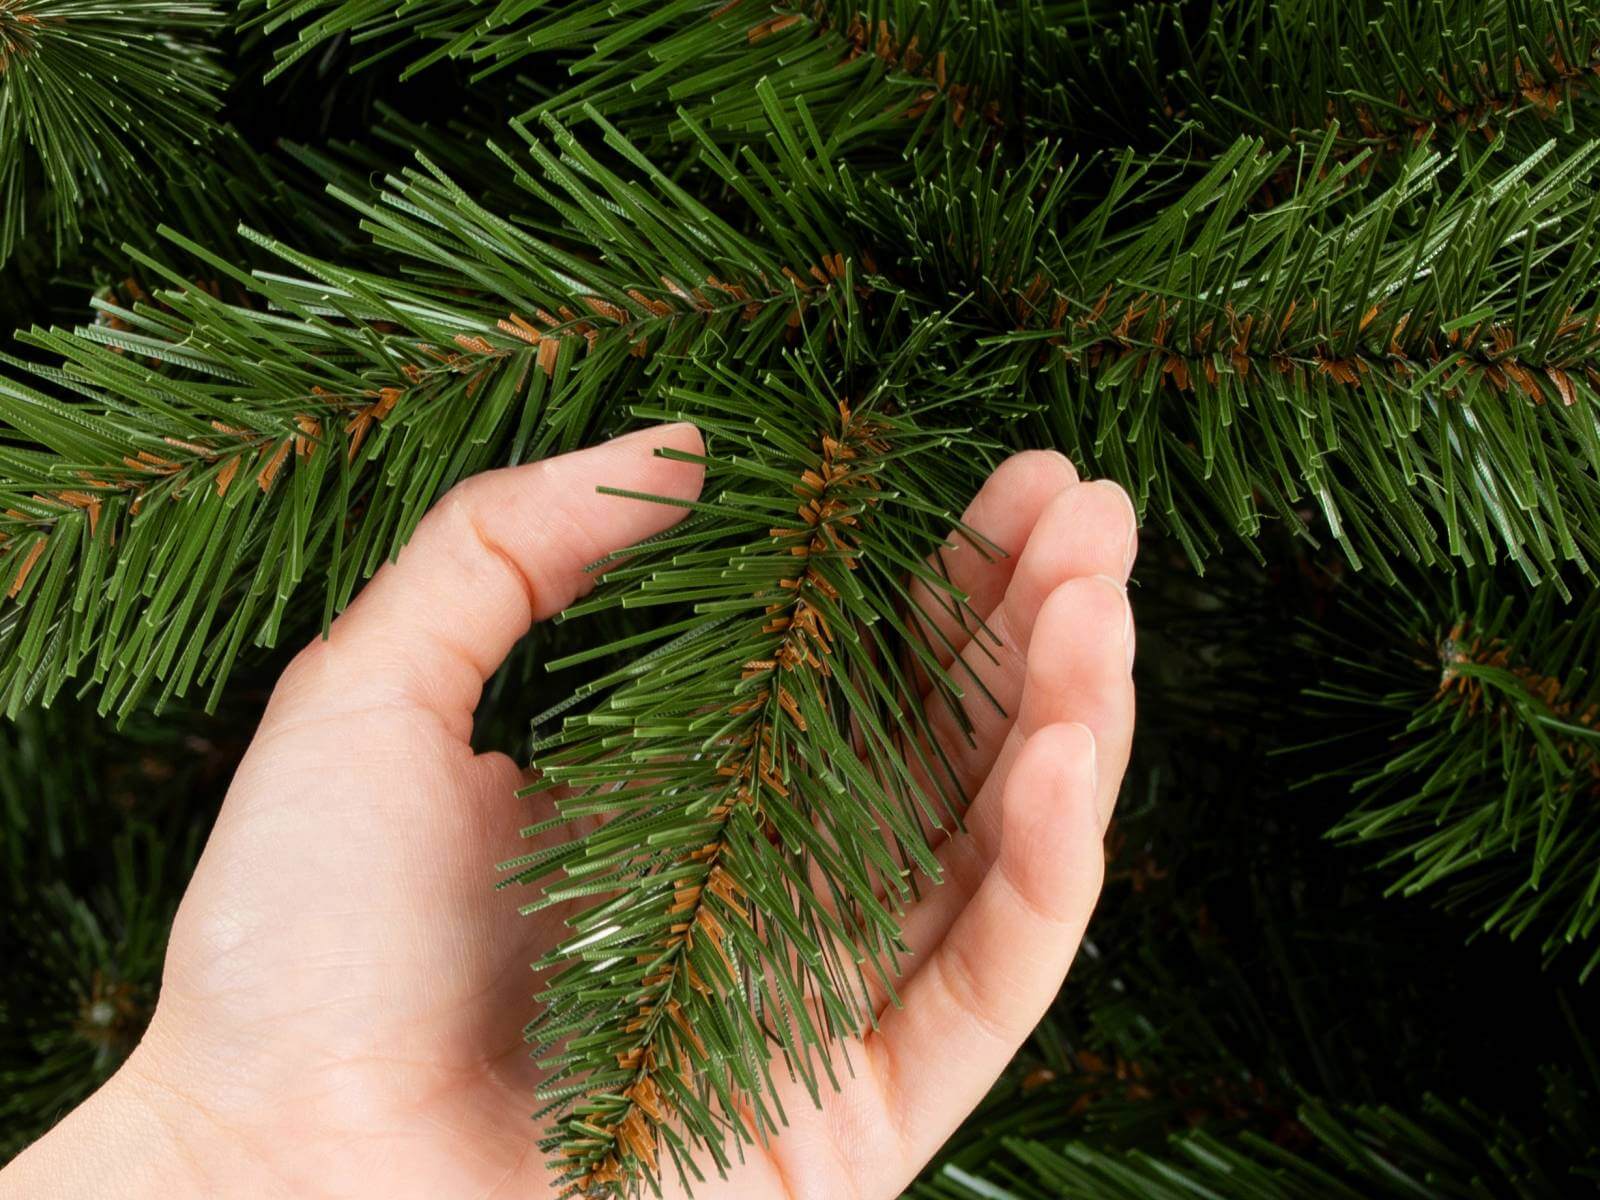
[500, 551]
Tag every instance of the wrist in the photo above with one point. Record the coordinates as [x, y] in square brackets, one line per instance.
[132, 1138]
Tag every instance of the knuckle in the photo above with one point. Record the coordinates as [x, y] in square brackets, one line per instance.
[454, 509]
[312, 664]
[967, 865]
[962, 981]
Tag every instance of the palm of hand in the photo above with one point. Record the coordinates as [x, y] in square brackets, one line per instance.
[345, 993]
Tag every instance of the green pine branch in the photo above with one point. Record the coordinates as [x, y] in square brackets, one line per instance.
[743, 775]
[98, 834]
[1445, 1150]
[1204, 324]
[83, 971]
[1465, 76]
[891, 67]
[218, 453]
[1216, 359]
[99, 101]
[1462, 75]
[1482, 720]
[1433, 347]
[157, 539]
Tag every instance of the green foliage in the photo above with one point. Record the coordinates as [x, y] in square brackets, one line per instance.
[1274, 358]
[225, 481]
[740, 782]
[98, 833]
[1287, 269]
[38, 792]
[1479, 721]
[1454, 1151]
[1459, 74]
[98, 101]
[82, 983]
[1362, 359]
[1238, 975]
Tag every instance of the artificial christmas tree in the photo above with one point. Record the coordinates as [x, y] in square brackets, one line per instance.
[1314, 281]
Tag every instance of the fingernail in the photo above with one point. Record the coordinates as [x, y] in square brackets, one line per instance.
[659, 434]
[1131, 550]
[1128, 637]
[1127, 616]
[1094, 759]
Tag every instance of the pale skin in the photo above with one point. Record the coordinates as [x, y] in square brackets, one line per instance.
[344, 993]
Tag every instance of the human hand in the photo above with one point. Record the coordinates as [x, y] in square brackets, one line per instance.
[344, 993]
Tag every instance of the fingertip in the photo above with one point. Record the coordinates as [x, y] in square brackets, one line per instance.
[1035, 472]
[671, 451]
[1050, 827]
[1086, 530]
[1129, 522]
[574, 497]
[982, 554]
[677, 435]
[1012, 499]
[1056, 772]
[1089, 616]
[682, 436]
